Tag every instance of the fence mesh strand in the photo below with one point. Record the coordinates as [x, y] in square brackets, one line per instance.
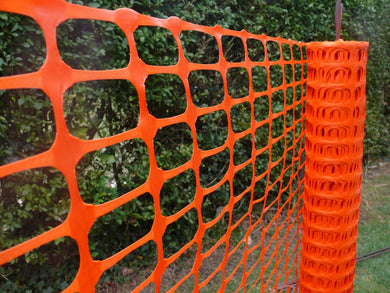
[240, 146]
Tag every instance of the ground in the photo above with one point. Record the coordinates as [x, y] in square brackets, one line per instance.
[373, 275]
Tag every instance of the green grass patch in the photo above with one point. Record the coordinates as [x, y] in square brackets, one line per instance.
[372, 275]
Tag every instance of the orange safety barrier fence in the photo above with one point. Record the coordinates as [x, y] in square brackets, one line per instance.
[269, 116]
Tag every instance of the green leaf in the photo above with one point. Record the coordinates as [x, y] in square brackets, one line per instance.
[59, 240]
[21, 101]
[38, 105]
[94, 4]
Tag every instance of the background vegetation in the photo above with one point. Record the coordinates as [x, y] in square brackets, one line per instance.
[36, 200]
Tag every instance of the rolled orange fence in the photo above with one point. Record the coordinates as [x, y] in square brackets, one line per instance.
[335, 115]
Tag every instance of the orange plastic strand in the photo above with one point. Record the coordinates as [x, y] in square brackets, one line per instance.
[335, 115]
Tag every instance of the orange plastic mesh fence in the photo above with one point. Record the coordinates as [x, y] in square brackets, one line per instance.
[335, 115]
[259, 247]
[266, 254]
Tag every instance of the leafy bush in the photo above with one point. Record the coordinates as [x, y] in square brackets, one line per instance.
[370, 21]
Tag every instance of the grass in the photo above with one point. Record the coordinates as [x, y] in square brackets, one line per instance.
[373, 275]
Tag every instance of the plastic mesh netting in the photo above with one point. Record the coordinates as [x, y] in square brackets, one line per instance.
[243, 151]
[335, 115]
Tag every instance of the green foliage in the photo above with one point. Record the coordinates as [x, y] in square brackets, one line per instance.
[34, 201]
[180, 232]
[370, 22]
[97, 109]
[206, 87]
[156, 46]
[22, 46]
[121, 227]
[92, 44]
[26, 123]
[49, 268]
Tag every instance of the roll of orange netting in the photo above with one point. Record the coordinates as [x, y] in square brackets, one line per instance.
[335, 115]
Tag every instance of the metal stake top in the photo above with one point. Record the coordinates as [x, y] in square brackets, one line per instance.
[339, 13]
